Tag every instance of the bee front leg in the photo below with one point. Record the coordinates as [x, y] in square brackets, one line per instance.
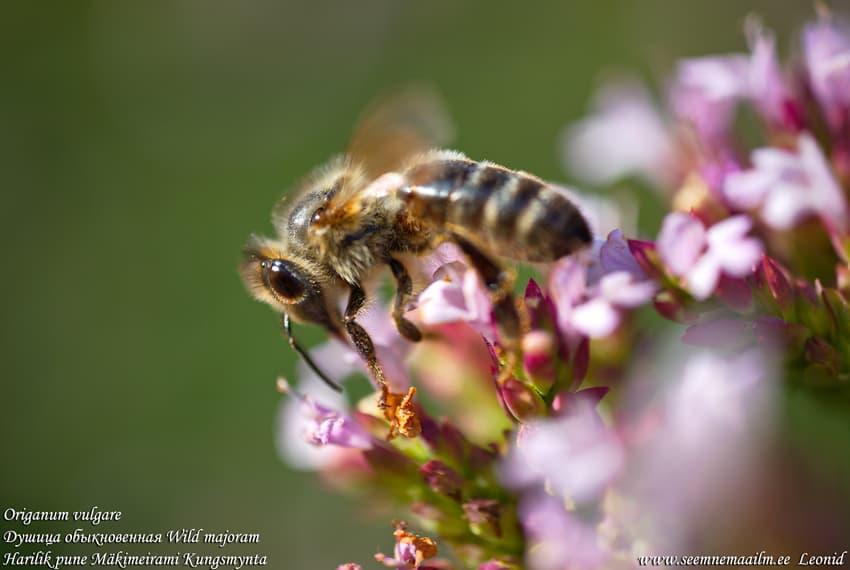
[499, 282]
[403, 293]
[363, 342]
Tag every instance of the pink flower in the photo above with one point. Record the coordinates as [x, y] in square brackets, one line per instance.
[702, 449]
[591, 292]
[557, 539]
[568, 289]
[313, 435]
[575, 455]
[324, 425]
[711, 396]
[789, 186]
[720, 333]
[432, 266]
[625, 135]
[457, 295]
[826, 49]
[615, 255]
[701, 256]
[768, 88]
[737, 334]
[706, 91]
[601, 315]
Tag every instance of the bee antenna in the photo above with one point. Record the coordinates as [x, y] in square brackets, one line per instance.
[287, 327]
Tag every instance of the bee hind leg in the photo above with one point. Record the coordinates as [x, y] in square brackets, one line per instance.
[363, 342]
[404, 291]
[499, 282]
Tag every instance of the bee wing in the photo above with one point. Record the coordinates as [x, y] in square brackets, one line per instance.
[394, 128]
[398, 126]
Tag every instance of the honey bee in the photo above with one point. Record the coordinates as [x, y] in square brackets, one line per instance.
[394, 195]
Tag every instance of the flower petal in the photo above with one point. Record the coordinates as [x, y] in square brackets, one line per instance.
[623, 290]
[826, 50]
[596, 318]
[829, 199]
[703, 277]
[625, 135]
[614, 255]
[706, 91]
[680, 242]
[728, 231]
[767, 85]
[443, 302]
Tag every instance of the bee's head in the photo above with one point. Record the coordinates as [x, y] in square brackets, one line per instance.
[273, 278]
[289, 286]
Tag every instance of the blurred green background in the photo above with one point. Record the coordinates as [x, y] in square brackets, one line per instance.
[142, 142]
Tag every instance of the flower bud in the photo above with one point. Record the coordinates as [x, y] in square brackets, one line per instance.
[567, 403]
[442, 479]
[841, 164]
[671, 307]
[810, 309]
[522, 401]
[823, 354]
[581, 362]
[387, 460]
[647, 257]
[538, 358]
[842, 276]
[735, 292]
[838, 309]
[771, 278]
[449, 443]
[541, 309]
[484, 516]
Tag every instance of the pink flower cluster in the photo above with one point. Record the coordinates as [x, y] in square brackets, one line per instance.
[806, 118]
[612, 438]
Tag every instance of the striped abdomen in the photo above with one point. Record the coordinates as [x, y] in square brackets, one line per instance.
[514, 214]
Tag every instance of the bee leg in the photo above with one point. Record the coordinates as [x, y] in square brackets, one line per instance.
[363, 342]
[499, 282]
[287, 328]
[404, 291]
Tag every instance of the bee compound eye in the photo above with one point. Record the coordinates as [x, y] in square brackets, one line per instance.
[287, 284]
[318, 215]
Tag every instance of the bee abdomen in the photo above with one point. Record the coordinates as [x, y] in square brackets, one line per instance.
[515, 214]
